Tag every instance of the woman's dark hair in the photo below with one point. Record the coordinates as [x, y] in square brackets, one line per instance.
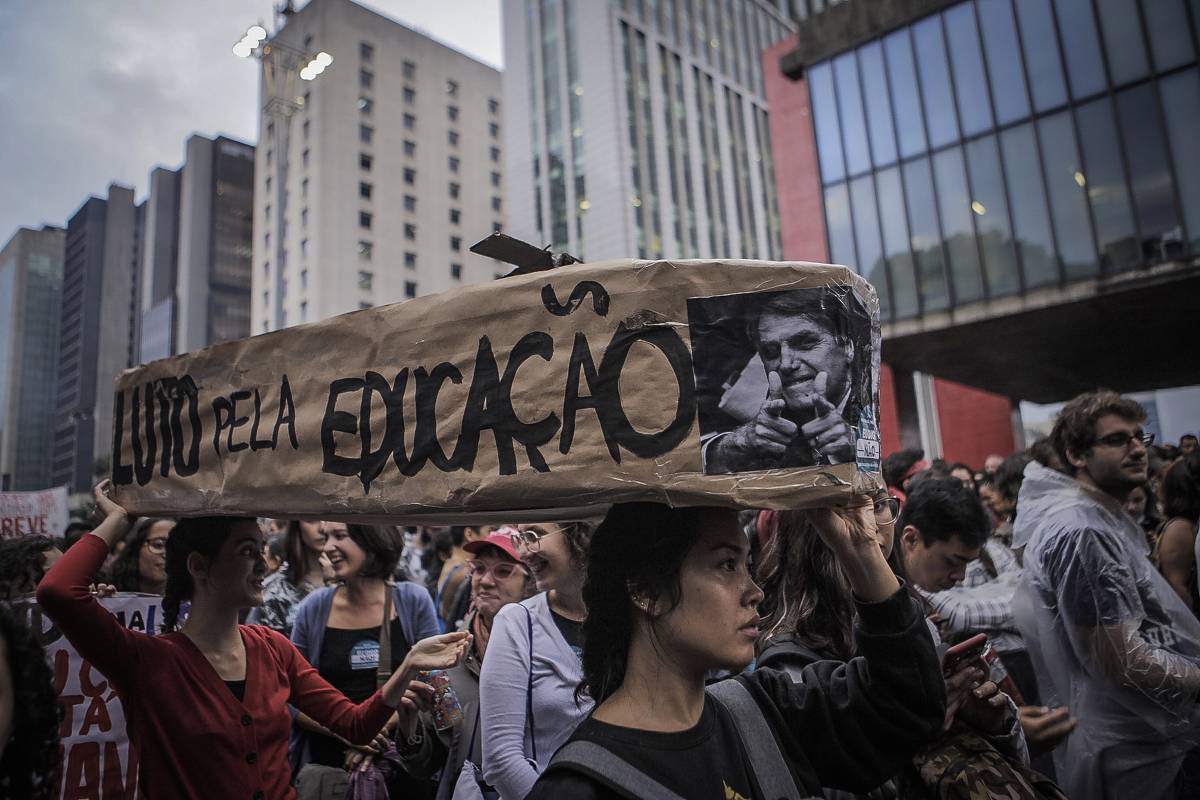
[123, 574]
[22, 564]
[31, 759]
[639, 549]
[383, 546]
[277, 546]
[203, 535]
[296, 553]
[1181, 488]
[806, 596]
[898, 463]
[579, 538]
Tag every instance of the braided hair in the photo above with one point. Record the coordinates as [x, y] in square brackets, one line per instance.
[30, 763]
[203, 535]
[639, 549]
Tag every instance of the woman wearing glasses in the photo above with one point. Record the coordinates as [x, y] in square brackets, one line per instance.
[527, 688]
[498, 578]
[142, 564]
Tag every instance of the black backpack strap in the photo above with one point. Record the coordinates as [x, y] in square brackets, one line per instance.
[770, 769]
[613, 771]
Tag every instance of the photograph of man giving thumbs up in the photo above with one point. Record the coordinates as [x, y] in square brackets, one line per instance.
[804, 381]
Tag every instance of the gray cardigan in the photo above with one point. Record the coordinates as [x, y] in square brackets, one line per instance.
[414, 609]
[502, 690]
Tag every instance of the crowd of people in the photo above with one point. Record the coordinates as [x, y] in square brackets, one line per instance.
[658, 652]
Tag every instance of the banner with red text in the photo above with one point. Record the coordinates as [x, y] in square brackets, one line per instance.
[25, 513]
[98, 762]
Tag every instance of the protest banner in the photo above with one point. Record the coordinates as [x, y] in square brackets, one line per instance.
[737, 383]
[98, 762]
[25, 513]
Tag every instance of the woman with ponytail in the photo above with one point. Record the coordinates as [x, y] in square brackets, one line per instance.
[207, 705]
[528, 702]
[670, 599]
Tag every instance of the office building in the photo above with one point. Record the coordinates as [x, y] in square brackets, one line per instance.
[31, 272]
[196, 257]
[374, 179]
[1018, 179]
[98, 332]
[639, 129]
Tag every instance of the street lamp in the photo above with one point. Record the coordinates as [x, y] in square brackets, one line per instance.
[282, 64]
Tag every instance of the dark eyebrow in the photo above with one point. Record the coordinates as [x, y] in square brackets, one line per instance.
[731, 547]
[250, 539]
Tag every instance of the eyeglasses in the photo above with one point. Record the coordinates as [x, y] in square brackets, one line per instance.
[1123, 439]
[531, 539]
[502, 571]
[886, 510]
[156, 545]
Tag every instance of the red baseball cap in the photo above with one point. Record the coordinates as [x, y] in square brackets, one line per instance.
[498, 538]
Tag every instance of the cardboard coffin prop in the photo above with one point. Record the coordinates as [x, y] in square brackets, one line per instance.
[736, 383]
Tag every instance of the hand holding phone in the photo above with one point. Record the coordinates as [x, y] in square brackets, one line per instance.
[964, 652]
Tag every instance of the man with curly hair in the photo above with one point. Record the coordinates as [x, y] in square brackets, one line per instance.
[1108, 635]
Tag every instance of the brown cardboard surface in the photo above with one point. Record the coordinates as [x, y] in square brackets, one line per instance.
[281, 420]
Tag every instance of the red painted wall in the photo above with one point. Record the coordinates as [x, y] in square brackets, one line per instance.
[973, 423]
[794, 150]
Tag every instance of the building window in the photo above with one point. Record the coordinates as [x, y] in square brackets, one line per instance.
[410, 70]
[303, 311]
[364, 190]
[493, 105]
[410, 202]
[364, 219]
[456, 244]
[410, 176]
[366, 51]
[410, 147]
[304, 218]
[410, 289]
[410, 122]
[267, 214]
[454, 190]
[496, 226]
[308, 42]
[452, 88]
[410, 259]
[364, 162]
[365, 249]
[495, 179]
[366, 79]
[494, 153]
[304, 188]
[366, 105]
[455, 216]
[267, 184]
[304, 247]
[305, 128]
[304, 158]
[303, 280]
[452, 138]
[410, 232]
[452, 113]
[496, 203]
[365, 133]
[365, 279]
[456, 271]
[453, 163]
[494, 129]
[410, 95]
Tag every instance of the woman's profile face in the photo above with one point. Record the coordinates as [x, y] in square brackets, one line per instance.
[343, 552]
[237, 571]
[715, 624]
[312, 534]
[152, 558]
[549, 560]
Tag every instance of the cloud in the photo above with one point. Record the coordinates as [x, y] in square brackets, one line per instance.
[99, 92]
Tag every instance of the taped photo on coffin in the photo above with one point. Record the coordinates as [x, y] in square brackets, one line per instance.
[782, 377]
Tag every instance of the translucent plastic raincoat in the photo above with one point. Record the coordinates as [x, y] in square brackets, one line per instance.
[1109, 638]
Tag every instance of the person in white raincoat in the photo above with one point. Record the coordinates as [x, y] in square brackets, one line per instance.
[1108, 636]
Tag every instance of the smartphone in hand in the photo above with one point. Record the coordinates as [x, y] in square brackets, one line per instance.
[967, 650]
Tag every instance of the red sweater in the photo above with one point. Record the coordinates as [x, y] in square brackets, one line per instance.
[194, 739]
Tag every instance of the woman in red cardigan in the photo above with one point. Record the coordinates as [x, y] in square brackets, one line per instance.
[206, 706]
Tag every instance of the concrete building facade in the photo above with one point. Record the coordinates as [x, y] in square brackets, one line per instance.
[98, 332]
[1016, 179]
[640, 129]
[31, 272]
[388, 169]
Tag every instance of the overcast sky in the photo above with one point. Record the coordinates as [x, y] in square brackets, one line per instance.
[97, 91]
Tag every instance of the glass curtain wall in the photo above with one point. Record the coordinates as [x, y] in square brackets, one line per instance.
[999, 146]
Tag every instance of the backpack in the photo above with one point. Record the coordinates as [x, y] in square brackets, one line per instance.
[767, 763]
